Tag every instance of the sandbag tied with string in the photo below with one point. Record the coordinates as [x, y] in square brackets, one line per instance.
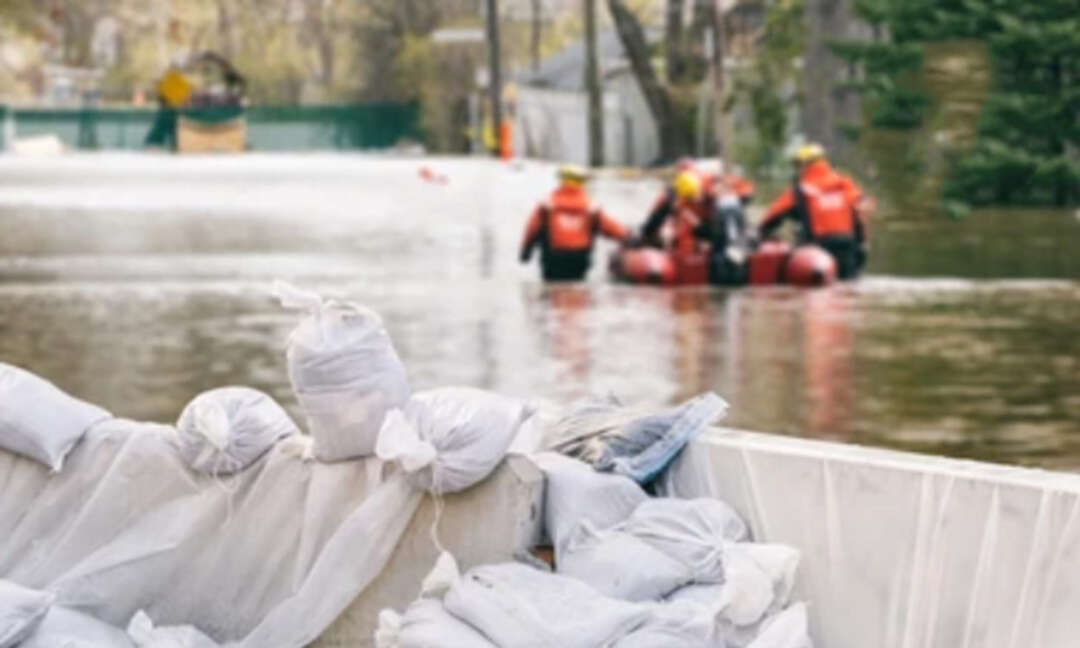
[451, 438]
[344, 371]
[224, 430]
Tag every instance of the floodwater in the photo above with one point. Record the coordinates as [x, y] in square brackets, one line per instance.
[136, 281]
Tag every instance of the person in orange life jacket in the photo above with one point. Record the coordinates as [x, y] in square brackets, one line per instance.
[690, 207]
[829, 208]
[565, 227]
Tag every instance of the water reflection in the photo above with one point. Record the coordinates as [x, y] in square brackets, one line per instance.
[141, 310]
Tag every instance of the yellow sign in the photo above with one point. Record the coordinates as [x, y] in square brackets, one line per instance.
[174, 88]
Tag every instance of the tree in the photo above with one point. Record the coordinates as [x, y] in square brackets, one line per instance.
[673, 140]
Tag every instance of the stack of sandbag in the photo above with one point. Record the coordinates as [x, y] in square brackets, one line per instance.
[225, 430]
[631, 441]
[344, 371]
[692, 561]
[38, 420]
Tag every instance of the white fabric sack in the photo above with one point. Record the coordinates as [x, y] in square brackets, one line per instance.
[577, 498]
[426, 624]
[224, 430]
[66, 628]
[451, 438]
[145, 635]
[344, 371]
[686, 625]
[21, 611]
[692, 532]
[40, 421]
[757, 582]
[622, 566]
[516, 606]
[778, 562]
[788, 629]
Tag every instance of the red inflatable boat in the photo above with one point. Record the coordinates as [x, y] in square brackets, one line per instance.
[773, 262]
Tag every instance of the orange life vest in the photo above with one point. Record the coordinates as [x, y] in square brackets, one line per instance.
[829, 202]
[570, 221]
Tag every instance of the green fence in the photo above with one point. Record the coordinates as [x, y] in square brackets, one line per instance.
[269, 128]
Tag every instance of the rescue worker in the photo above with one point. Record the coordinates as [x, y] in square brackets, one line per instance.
[565, 227]
[690, 207]
[829, 208]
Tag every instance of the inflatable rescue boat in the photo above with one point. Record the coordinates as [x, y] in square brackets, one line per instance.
[772, 262]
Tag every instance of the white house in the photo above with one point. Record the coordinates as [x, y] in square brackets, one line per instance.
[551, 109]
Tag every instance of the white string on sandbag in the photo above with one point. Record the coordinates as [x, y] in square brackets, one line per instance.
[344, 372]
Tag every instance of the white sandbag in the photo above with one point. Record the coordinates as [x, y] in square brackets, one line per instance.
[693, 532]
[224, 430]
[426, 624]
[451, 438]
[757, 582]
[779, 562]
[66, 628]
[516, 606]
[602, 559]
[21, 612]
[145, 635]
[344, 371]
[40, 421]
[788, 629]
[576, 497]
[682, 624]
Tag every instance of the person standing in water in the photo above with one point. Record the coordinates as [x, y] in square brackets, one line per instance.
[565, 227]
[829, 208]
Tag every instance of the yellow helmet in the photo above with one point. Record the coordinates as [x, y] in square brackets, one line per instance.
[808, 153]
[572, 173]
[687, 185]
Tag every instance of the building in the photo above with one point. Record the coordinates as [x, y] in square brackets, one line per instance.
[551, 108]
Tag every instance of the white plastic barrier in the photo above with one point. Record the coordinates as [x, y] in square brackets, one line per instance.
[902, 550]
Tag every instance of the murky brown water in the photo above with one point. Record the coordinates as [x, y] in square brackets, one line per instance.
[138, 281]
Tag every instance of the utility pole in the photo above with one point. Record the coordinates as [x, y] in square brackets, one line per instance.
[592, 84]
[494, 77]
[537, 10]
[719, 47]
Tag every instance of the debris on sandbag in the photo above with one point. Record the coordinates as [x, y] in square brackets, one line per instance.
[38, 420]
[631, 441]
[21, 612]
[451, 438]
[344, 371]
[224, 430]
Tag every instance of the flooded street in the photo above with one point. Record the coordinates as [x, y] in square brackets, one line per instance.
[136, 281]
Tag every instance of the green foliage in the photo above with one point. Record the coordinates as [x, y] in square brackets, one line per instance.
[1029, 132]
[770, 83]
